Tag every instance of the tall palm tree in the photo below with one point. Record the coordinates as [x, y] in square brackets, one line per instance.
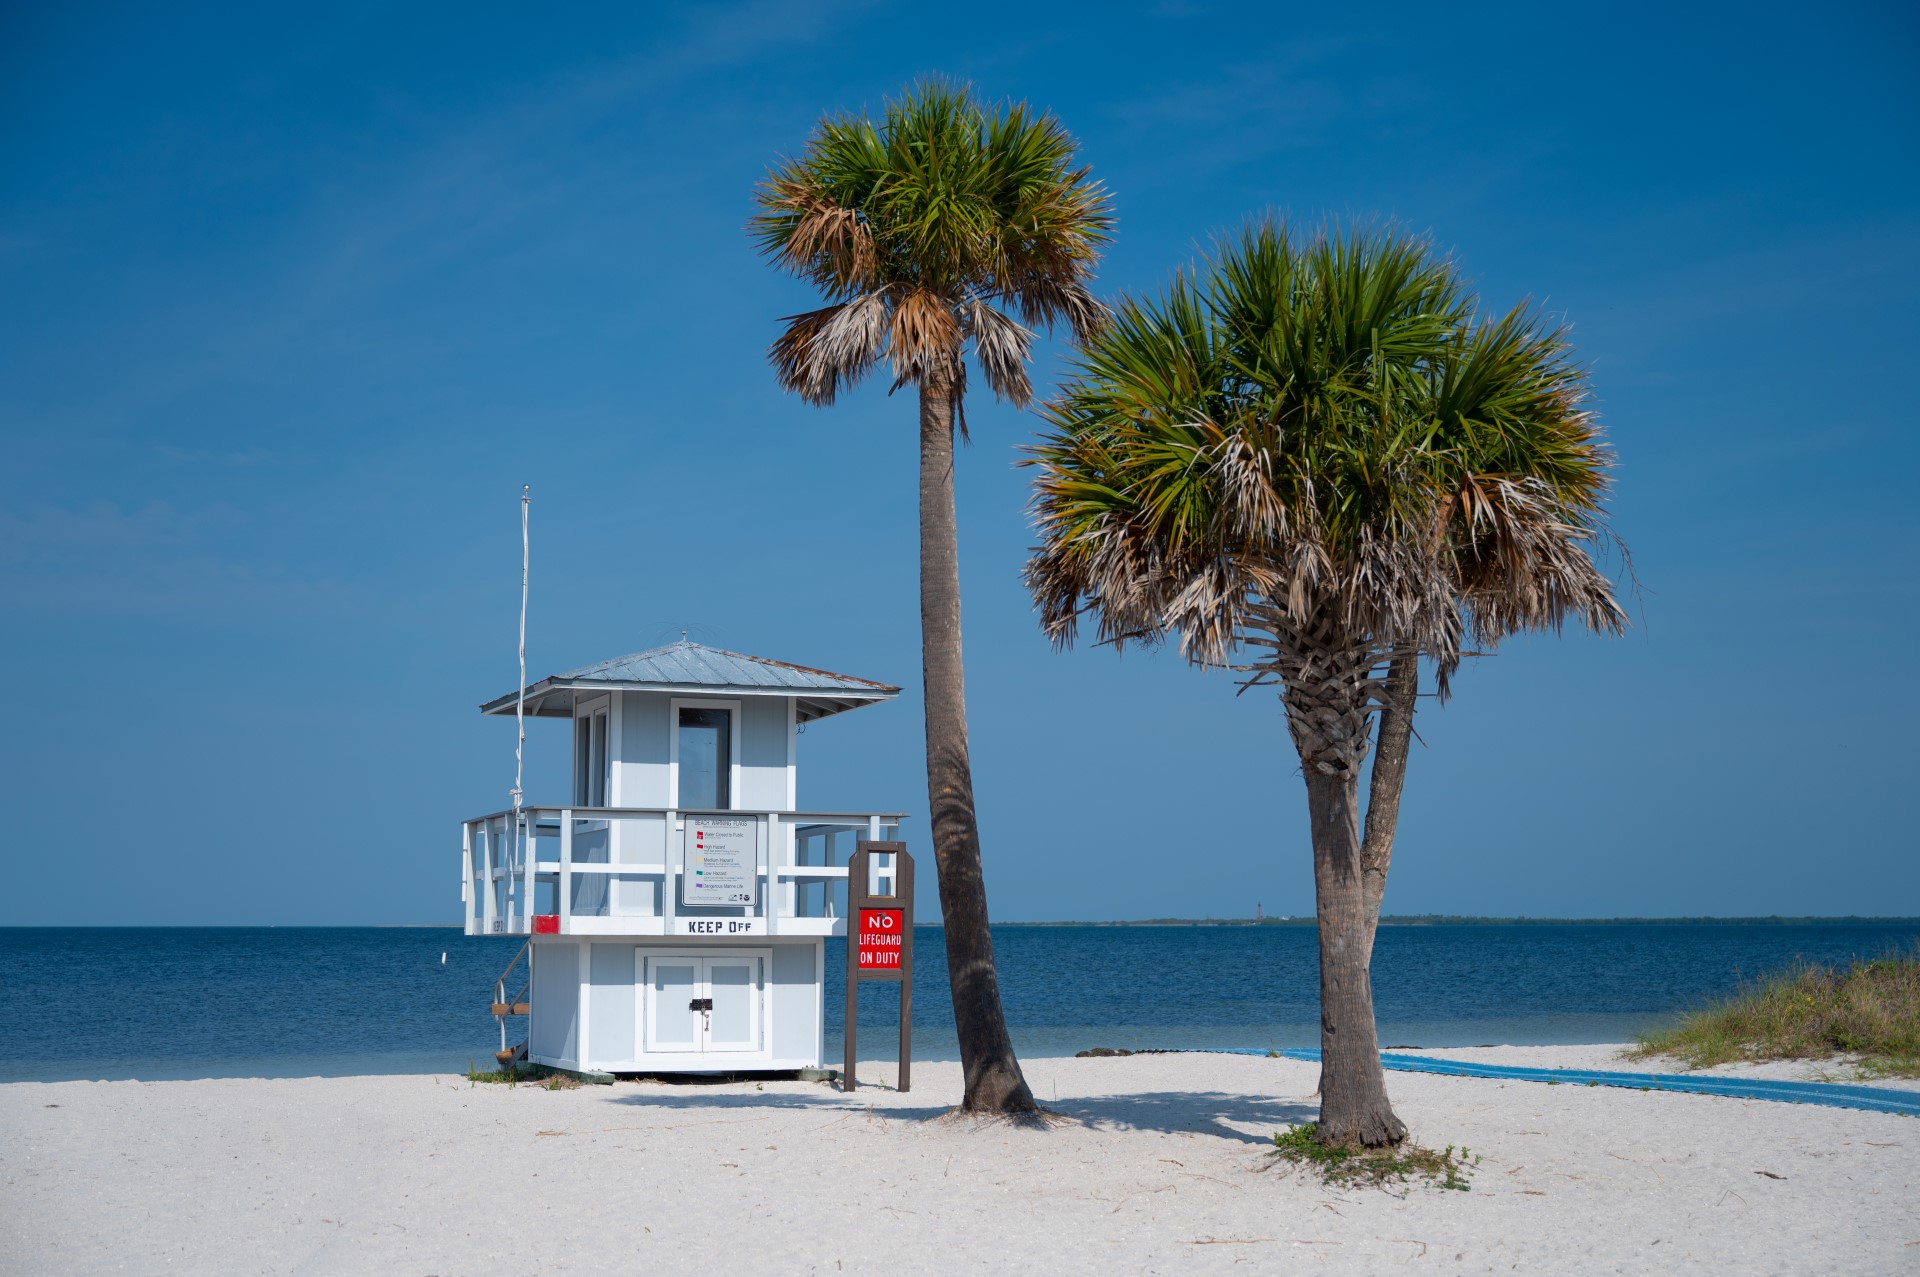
[944, 226]
[1317, 464]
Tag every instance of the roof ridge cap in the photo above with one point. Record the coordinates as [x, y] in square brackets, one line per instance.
[684, 643]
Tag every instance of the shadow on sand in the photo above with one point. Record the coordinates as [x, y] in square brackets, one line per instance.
[1172, 1112]
[826, 1100]
[1190, 1112]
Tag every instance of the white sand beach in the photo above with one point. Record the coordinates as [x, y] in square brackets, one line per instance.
[1161, 1168]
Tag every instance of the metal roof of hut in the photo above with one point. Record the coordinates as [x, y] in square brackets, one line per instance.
[695, 668]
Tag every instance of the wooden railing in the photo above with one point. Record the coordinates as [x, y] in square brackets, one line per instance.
[620, 870]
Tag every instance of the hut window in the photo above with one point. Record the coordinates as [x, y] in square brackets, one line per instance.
[590, 760]
[706, 753]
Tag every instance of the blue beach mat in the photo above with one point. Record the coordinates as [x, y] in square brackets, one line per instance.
[1876, 1099]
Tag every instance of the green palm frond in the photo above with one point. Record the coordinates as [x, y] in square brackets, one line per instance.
[1321, 432]
[953, 217]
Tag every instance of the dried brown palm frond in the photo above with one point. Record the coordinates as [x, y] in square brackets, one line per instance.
[1055, 295]
[826, 241]
[852, 341]
[794, 360]
[922, 334]
[1002, 349]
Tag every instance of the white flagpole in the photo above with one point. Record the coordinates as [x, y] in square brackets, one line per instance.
[520, 705]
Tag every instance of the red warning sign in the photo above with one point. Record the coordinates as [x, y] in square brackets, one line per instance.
[880, 939]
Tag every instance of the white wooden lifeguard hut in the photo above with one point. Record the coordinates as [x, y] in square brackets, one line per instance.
[677, 909]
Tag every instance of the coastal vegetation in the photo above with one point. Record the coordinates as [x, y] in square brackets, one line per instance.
[945, 227]
[1315, 462]
[547, 1079]
[1870, 1012]
[1355, 1165]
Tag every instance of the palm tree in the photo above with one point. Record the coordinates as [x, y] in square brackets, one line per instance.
[928, 232]
[1317, 464]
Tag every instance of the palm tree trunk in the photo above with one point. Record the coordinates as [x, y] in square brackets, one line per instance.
[1353, 1090]
[1384, 785]
[1326, 676]
[1388, 779]
[994, 1082]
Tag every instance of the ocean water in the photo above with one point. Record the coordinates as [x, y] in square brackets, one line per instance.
[289, 1001]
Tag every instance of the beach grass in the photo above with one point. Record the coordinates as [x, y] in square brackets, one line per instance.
[509, 1076]
[533, 1075]
[1352, 1165]
[1869, 1012]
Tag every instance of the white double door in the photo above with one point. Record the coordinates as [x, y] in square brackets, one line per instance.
[705, 1002]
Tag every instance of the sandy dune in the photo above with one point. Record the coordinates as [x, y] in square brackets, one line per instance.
[1162, 1169]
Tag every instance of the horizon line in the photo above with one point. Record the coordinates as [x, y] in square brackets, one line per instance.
[1288, 920]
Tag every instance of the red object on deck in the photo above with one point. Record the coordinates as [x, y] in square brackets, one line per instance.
[546, 924]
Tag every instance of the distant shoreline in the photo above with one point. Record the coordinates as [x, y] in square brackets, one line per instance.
[1389, 920]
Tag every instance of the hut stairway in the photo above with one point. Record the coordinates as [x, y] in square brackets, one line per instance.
[518, 1004]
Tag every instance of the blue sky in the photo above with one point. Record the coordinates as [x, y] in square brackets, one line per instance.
[297, 298]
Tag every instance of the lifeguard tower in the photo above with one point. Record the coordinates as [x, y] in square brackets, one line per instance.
[677, 909]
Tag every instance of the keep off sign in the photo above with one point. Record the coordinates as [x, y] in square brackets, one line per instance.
[880, 939]
[880, 942]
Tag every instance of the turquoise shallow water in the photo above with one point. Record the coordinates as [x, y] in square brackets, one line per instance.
[291, 1001]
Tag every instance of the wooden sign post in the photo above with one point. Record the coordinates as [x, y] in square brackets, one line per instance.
[880, 944]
